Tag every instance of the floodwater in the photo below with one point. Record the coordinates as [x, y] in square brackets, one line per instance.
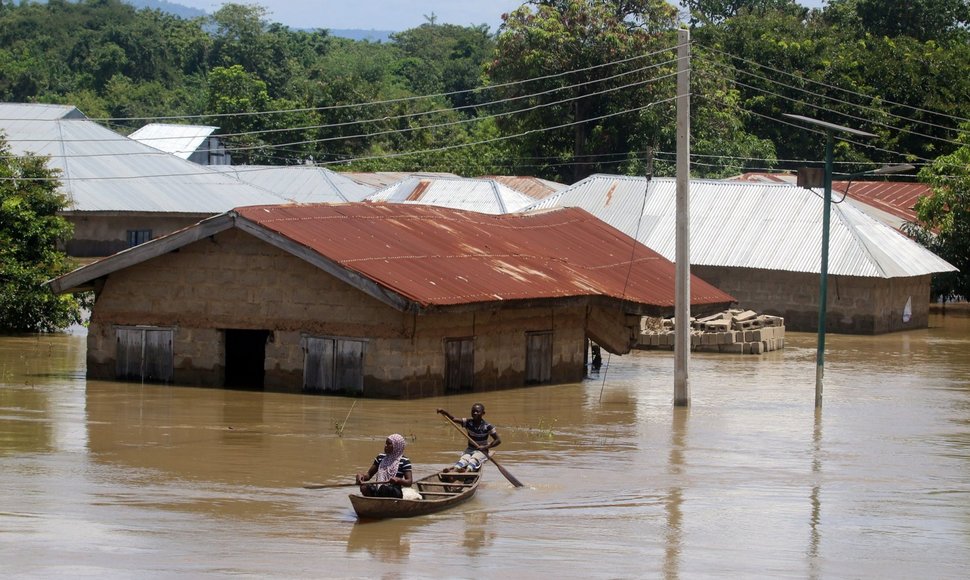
[117, 480]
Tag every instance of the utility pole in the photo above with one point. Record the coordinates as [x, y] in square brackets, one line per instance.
[808, 180]
[682, 252]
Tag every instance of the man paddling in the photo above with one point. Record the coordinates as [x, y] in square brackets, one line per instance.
[479, 432]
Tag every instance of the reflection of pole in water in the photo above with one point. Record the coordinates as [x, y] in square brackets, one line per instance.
[477, 535]
[814, 535]
[675, 496]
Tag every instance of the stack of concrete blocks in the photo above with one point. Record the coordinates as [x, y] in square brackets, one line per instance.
[731, 331]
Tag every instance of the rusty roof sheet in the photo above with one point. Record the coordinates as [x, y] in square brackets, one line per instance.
[534, 187]
[438, 256]
[893, 197]
[380, 179]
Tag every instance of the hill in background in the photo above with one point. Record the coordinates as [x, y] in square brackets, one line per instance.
[188, 12]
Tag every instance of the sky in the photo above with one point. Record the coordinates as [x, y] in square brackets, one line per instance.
[394, 15]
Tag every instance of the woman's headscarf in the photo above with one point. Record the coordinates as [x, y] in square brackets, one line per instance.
[388, 466]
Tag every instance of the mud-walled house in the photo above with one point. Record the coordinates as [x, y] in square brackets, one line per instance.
[761, 242]
[383, 300]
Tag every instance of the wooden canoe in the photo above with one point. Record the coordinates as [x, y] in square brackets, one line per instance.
[437, 494]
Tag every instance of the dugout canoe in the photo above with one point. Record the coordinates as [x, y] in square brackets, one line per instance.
[437, 494]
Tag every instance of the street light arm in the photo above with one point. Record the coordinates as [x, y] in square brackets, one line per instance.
[884, 170]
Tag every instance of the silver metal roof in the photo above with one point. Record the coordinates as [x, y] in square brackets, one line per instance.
[381, 179]
[750, 225]
[179, 140]
[104, 171]
[480, 195]
[301, 183]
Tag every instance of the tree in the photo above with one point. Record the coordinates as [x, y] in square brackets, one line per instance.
[581, 76]
[920, 19]
[947, 212]
[716, 11]
[30, 230]
[445, 59]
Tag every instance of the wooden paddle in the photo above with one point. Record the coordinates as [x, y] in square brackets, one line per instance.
[512, 479]
[328, 485]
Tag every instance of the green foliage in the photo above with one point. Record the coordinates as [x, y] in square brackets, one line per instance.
[29, 233]
[922, 20]
[717, 11]
[562, 45]
[947, 212]
[445, 59]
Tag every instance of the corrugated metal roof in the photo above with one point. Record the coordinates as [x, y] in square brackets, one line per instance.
[179, 140]
[892, 197]
[104, 171]
[534, 187]
[764, 177]
[439, 256]
[481, 195]
[750, 225]
[890, 202]
[301, 183]
[381, 179]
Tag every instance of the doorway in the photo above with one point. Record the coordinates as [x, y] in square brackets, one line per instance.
[245, 358]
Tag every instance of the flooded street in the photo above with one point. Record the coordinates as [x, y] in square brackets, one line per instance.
[120, 480]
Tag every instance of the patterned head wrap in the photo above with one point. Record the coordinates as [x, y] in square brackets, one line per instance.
[388, 466]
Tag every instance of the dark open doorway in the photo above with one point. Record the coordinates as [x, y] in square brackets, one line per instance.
[245, 356]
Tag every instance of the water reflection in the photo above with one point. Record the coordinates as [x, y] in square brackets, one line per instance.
[477, 535]
[815, 532]
[675, 495]
[132, 479]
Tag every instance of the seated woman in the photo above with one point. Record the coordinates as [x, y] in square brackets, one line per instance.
[392, 468]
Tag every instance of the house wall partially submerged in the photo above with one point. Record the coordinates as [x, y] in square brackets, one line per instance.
[235, 281]
[98, 234]
[854, 305]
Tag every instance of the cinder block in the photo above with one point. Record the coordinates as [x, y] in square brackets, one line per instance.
[746, 315]
[734, 348]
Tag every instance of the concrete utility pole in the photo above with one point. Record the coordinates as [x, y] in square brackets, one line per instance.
[682, 259]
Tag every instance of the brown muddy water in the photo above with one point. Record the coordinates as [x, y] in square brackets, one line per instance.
[117, 480]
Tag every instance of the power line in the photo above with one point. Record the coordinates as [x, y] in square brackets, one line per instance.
[396, 131]
[391, 101]
[836, 112]
[834, 87]
[384, 156]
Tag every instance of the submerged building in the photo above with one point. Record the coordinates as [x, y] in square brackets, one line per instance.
[386, 300]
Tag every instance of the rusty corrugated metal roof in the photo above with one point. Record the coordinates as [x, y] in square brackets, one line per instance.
[893, 197]
[380, 179]
[438, 256]
[534, 187]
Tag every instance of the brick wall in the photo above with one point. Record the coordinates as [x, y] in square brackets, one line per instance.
[233, 280]
[855, 305]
